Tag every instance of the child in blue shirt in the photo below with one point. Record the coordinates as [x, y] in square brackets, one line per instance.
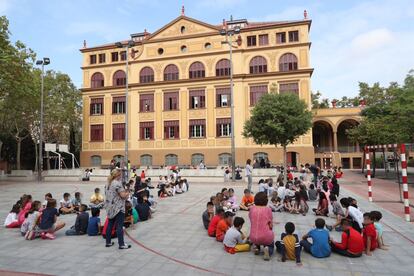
[94, 224]
[319, 247]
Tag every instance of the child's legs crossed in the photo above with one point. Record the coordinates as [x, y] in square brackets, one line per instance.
[242, 247]
[306, 245]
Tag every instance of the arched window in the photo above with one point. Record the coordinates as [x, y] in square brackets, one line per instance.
[196, 158]
[96, 161]
[288, 62]
[171, 72]
[260, 155]
[197, 70]
[223, 67]
[225, 159]
[258, 65]
[146, 75]
[146, 160]
[119, 78]
[171, 160]
[97, 80]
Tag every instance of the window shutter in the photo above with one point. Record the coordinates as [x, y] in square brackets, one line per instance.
[177, 131]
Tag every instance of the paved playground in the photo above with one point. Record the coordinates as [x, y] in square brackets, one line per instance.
[174, 242]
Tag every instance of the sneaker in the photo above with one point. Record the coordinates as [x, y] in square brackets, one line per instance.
[329, 227]
[266, 255]
[125, 246]
[109, 244]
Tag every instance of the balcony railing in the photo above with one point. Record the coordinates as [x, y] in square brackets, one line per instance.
[342, 149]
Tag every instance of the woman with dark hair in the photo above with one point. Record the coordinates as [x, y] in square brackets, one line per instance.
[261, 225]
[116, 196]
[335, 186]
[323, 206]
[248, 172]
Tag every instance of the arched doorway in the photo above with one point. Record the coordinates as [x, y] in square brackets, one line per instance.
[322, 136]
[292, 159]
[344, 144]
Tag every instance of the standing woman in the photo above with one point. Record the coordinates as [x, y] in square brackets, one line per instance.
[116, 196]
[248, 173]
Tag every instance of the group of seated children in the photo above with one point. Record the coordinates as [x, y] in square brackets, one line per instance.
[171, 186]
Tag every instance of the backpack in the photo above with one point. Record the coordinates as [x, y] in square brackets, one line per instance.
[113, 232]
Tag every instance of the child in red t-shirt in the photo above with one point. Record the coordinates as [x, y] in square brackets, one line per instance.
[223, 225]
[351, 244]
[214, 221]
[369, 234]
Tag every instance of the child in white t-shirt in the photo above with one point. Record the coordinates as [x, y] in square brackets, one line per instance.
[11, 218]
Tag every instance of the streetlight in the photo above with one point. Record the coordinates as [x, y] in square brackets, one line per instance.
[128, 45]
[229, 33]
[43, 62]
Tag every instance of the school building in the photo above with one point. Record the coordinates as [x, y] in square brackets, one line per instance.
[179, 96]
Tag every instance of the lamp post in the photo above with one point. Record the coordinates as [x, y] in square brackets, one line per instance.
[229, 33]
[43, 62]
[128, 45]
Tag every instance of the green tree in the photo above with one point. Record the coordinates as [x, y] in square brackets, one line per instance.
[278, 119]
[318, 102]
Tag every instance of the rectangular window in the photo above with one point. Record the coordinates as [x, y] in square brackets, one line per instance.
[146, 102]
[289, 88]
[263, 40]
[251, 40]
[92, 59]
[256, 92]
[114, 56]
[280, 38]
[97, 132]
[223, 98]
[197, 128]
[197, 99]
[118, 105]
[294, 36]
[102, 58]
[171, 129]
[223, 127]
[146, 130]
[96, 107]
[118, 131]
[171, 101]
[123, 55]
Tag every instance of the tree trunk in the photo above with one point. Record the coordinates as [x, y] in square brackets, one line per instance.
[1, 146]
[19, 149]
[37, 158]
[285, 163]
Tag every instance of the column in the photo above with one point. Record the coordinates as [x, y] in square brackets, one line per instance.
[335, 136]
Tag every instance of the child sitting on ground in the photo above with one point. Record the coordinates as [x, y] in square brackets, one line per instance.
[319, 247]
[143, 208]
[76, 201]
[352, 213]
[214, 221]
[66, 206]
[234, 240]
[247, 200]
[81, 223]
[11, 218]
[276, 203]
[323, 206]
[289, 246]
[338, 213]
[376, 217]
[128, 214]
[208, 214]
[48, 221]
[97, 200]
[30, 228]
[47, 197]
[313, 193]
[369, 234]
[223, 225]
[352, 244]
[94, 224]
[232, 200]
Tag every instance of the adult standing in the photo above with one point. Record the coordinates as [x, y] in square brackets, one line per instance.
[248, 172]
[261, 225]
[116, 196]
[315, 171]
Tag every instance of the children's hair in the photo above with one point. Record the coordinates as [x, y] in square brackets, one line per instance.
[369, 215]
[83, 207]
[320, 223]
[260, 199]
[66, 195]
[228, 214]
[220, 211]
[35, 207]
[238, 222]
[49, 195]
[51, 203]
[95, 212]
[97, 190]
[332, 197]
[114, 174]
[246, 191]
[261, 181]
[15, 208]
[311, 186]
[376, 215]
[231, 190]
[289, 228]
[77, 194]
[128, 205]
[210, 203]
[345, 221]
[223, 190]
[345, 202]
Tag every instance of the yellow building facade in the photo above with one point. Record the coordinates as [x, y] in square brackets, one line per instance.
[179, 92]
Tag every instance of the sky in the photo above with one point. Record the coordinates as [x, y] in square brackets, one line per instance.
[352, 41]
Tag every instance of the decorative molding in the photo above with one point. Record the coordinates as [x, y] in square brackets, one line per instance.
[184, 143]
[146, 144]
[211, 142]
[146, 116]
[171, 115]
[198, 143]
[94, 119]
[85, 146]
[223, 142]
[107, 145]
[197, 114]
[171, 143]
[98, 145]
[223, 112]
[158, 144]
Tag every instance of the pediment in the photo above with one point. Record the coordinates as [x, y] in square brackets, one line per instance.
[191, 26]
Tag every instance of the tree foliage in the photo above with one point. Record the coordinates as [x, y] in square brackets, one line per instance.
[318, 102]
